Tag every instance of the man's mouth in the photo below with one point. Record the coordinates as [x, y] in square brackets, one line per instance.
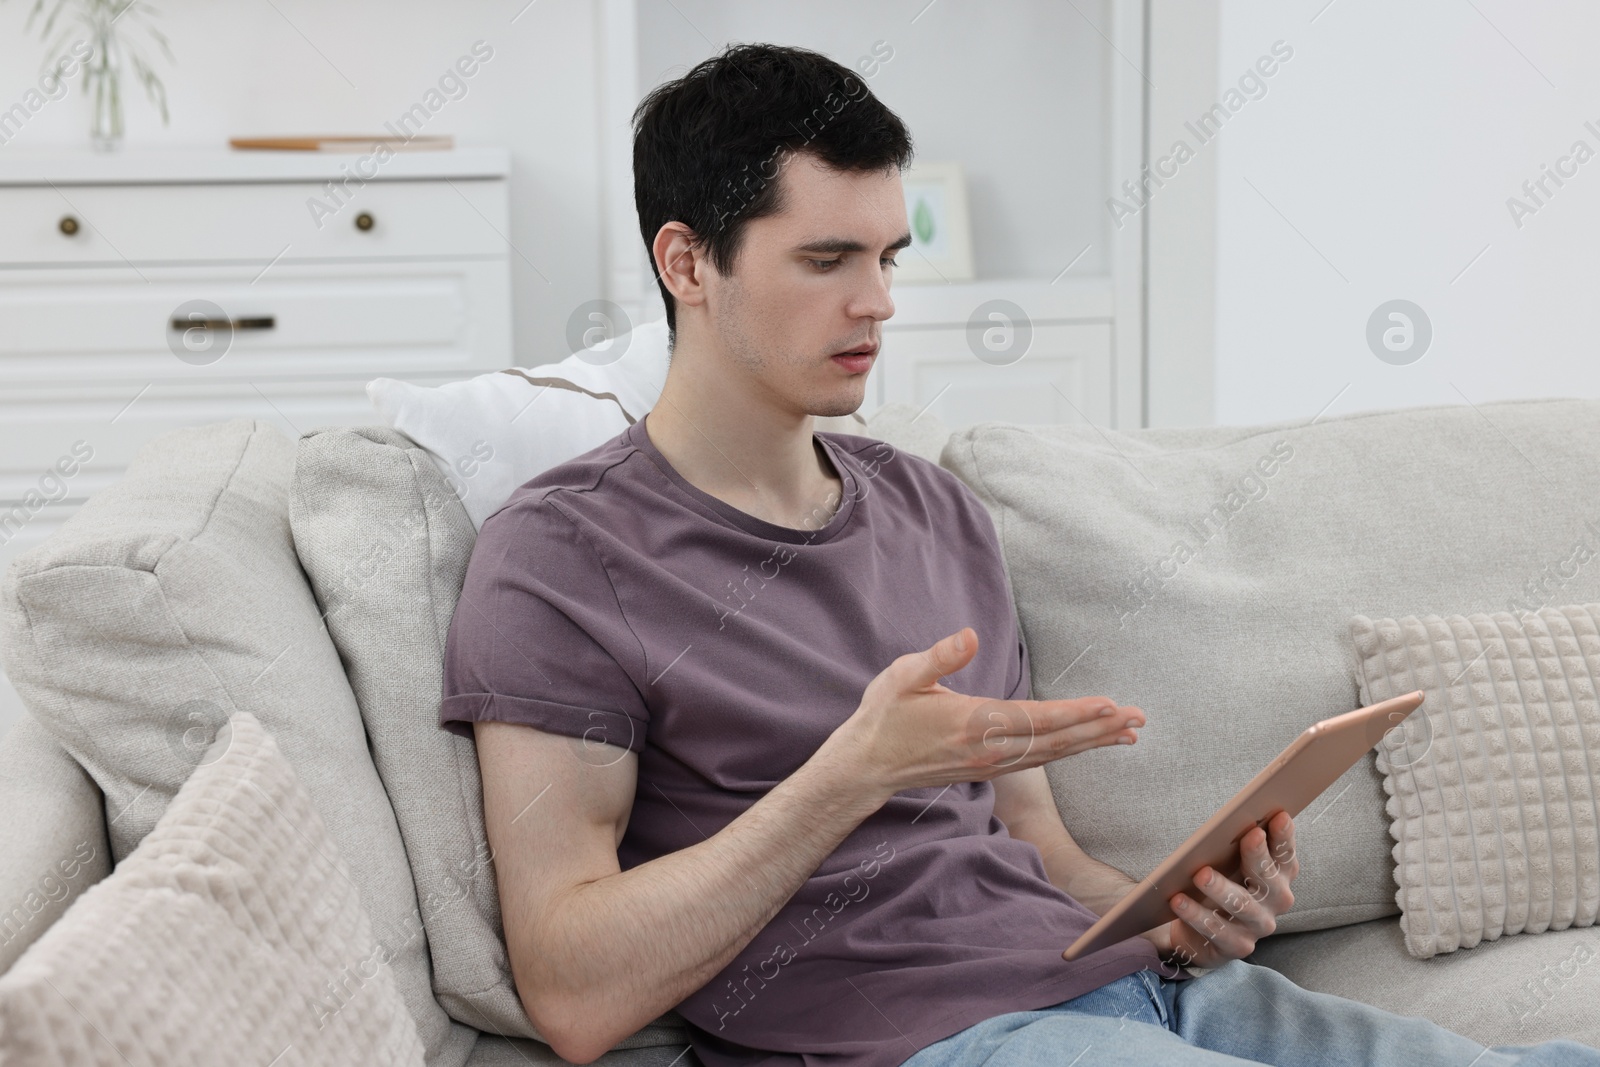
[857, 360]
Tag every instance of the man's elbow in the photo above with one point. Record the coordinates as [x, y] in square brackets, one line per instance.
[570, 1032]
[580, 1053]
[578, 1044]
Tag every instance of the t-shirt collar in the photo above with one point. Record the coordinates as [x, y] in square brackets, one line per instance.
[843, 465]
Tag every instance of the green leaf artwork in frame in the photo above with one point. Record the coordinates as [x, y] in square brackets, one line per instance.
[922, 222]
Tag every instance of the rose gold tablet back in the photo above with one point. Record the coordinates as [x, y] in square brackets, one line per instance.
[1294, 778]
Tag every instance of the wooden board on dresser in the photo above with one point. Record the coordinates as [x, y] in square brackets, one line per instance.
[150, 290]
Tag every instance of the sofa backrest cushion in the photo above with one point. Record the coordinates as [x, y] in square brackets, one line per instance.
[1208, 576]
[385, 543]
[54, 837]
[174, 598]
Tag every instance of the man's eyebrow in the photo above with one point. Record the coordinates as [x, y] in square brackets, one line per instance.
[828, 245]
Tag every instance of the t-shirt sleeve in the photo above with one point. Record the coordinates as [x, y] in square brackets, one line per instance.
[538, 636]
[1024, 686]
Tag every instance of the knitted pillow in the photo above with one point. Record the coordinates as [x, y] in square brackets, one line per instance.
[231, 934]
[1493, 782]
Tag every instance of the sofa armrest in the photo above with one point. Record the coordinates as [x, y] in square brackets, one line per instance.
[53, 842]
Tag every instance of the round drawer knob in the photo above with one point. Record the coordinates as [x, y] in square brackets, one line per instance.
[68, 225]
[365, 222]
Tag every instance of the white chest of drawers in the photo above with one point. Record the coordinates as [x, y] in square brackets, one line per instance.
[146, 291]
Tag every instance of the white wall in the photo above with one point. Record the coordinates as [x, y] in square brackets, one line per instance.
[1378, 166]
[1180, 213]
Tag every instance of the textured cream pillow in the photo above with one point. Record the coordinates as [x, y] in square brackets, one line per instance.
[231, 934]
[1493, 782]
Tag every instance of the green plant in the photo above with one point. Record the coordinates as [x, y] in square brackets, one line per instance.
[113, 28]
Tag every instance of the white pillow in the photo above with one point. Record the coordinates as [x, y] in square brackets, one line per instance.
[490, 434]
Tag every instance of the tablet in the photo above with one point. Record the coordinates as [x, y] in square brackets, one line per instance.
[1296, 777]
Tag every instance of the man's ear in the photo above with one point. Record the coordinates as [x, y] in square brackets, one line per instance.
[680, 263]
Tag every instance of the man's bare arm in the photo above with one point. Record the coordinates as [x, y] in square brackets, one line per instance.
[1024, 802]
[598, 952]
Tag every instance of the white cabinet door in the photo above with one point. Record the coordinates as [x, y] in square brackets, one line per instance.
[1062, 376]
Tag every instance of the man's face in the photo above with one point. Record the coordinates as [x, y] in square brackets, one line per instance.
[809, 282]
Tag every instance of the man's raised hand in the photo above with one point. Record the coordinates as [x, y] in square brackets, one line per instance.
[909, 731]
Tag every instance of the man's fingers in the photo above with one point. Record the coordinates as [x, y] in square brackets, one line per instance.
[1225, 938]
[1008, 741]
[948, 655]
[1062, 725]
[1281, 840]
[1016, 734]
[1265, 878]
[1055, 716]
[1232, 917]
[1060, 714]
[1099, 721]
[1249, 910]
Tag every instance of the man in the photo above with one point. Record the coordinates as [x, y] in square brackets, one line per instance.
[751, 705]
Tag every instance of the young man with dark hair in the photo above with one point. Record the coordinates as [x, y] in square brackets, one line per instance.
[743, 752]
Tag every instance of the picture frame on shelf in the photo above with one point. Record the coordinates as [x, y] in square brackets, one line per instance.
[941, 232]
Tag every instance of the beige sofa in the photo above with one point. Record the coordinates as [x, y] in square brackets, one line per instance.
[1207, 575]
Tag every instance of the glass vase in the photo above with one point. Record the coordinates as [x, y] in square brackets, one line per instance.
[103, 82]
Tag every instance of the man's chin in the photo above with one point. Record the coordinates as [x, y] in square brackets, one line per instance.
[846, 401]
[834, 411]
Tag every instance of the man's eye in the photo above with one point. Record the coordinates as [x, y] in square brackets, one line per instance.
[824, 265]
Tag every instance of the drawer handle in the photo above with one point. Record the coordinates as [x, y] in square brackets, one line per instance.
[265, 322]
[68, 225]
[365, 222]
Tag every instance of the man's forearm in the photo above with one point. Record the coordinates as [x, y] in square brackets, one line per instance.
[1070, 869]
[619, 951]
[1094, 884]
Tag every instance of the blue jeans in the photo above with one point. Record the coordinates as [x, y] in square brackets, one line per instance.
[1237, 1013]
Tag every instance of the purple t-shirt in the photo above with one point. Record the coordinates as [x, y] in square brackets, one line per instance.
[609, 598]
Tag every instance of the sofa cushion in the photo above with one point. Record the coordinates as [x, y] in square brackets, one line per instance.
[231, 934]
[172, 599]
[1208, 575]
[53, 837]
[385, 544]
[910, 429]
[1493, 782]
[1518, 991]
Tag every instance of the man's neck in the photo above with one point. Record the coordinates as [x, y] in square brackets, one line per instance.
[743, 450]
